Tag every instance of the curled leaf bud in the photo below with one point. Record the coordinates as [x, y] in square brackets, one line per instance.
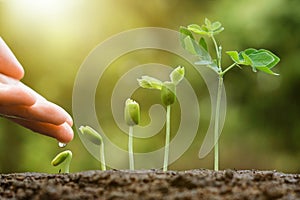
[91, 134]
[168, 93]
[132, 112]
[177, 75]
[61, 157]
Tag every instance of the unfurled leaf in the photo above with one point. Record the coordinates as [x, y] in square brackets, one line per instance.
[262, 59]
[234, 55]
[216, 25]
[197, 29]
[177, 75]
[203, 43]
[150, 83]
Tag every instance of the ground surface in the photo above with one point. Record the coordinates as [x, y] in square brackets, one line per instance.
[152, 184]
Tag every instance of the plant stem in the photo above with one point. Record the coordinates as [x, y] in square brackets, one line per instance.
[66, 165]
[130, 148]
[219, 56]
[217, 122]
[227, 69]
[102, 157]
[166, 158]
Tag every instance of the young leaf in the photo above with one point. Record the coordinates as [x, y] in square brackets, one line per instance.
[177, 75]
[203, 44]
[61, 157]
[185, 32]
[234, 55]
[197, 29]
[216, 25]
[168, 93]
[91, 134]
[150, 83]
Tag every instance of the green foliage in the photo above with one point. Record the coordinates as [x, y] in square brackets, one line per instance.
[262, 59]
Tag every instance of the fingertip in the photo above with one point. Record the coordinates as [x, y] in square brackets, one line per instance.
[65, 133]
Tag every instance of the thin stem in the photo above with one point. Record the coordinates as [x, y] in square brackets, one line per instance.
[217, 122]
[166, 158]
[66, 165]
[130, 148]
[102, 157]
[217, 52]
[227, 69]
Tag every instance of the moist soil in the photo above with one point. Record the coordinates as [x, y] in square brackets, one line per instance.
[152, 184]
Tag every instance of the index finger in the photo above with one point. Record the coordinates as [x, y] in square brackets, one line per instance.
[9, 65]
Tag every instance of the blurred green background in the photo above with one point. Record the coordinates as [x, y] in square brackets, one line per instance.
[51, 38]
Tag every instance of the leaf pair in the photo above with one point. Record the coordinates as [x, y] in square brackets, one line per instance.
[208, 29]
[167, 88]
[262, 60]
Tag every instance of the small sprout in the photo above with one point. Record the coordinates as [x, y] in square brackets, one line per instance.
[63, 158]
[168, 97]
[95, 138]
[132, 118]
[260, 60]
[132, 112]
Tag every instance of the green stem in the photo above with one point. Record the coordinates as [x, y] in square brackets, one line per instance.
[227, 69]
[66, 166]
[102, 156]
[166, 158]
[130, 148]
[219, 56]
[217, 122]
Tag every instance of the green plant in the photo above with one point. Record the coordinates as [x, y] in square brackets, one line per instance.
[63, 158]
[95, 138]
[259, 60]
[132, 118]
[168, 96]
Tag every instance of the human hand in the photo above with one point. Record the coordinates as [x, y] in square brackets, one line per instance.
[21, 104]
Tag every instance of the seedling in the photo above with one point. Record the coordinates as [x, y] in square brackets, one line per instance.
[259, 60]
[63, 158]
[95, 138]
[168, 96]
[132, 118]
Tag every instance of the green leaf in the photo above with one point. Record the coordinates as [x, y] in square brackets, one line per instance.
[266, 70]
[177, 75]
[234, 55]
[207, 23]
[197, 29]
[262, 59]
[246, 59]
[203, 43]
[150, 83]
[185, 32]
[216, 25]
[190, 45]
[274, 62]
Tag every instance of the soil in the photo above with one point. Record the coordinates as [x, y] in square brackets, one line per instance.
[152, 184]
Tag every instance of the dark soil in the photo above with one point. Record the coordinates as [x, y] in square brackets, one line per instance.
[152, 184]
